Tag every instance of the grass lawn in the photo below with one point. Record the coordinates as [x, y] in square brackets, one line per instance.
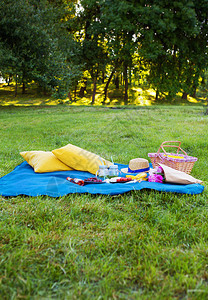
[139, 245]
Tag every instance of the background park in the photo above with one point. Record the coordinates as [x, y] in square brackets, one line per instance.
[116, 78]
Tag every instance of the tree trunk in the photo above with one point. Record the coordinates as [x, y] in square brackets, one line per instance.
[103, 76]
[121, 78]
[130, 76]
[23, 82]
[75, 92]
[194, 92]
[23, 87]
[83, 88]
[184, 96]
[117, 81]
[44, 91]
[94, 90]
[69, 95]
[107, 85]
[157, 95]
[125, 75]
[15, 92]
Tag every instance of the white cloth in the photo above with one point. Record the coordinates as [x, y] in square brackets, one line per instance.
[175, 176]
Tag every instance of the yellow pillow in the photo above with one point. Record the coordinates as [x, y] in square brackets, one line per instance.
[43, 161]
[80, 159]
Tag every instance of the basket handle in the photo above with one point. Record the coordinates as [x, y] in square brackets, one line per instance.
[175, 146]
[161, 157]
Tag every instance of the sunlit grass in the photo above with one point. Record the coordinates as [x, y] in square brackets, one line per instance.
[139, 96]
[192, 100]
[32, 97]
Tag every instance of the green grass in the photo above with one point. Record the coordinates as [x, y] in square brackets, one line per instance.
[139, 245]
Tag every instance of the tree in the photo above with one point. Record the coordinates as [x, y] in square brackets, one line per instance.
[88, 31]
[31, 41]
[119, 20]
[203, 90]
[173, 43]
[105, 30]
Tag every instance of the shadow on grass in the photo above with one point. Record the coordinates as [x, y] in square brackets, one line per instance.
[138, 96]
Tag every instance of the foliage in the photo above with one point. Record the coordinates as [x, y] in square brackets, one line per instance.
[31, 43]
[168, 38]
[203, 90]
[174, 43]
[56, 42]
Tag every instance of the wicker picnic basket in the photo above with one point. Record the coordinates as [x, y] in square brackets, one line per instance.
[179, 161]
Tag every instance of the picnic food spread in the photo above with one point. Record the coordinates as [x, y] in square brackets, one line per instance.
[69, 170]
[167, 167]
[92, 180]
[75, 180]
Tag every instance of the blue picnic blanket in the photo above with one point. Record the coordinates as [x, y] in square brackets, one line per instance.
[24, 181]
